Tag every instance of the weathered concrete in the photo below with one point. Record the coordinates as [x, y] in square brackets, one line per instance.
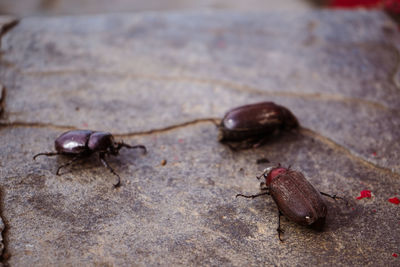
[131, 74]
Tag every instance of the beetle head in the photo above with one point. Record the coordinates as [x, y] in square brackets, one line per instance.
[271, 172]
[267, 170]
[289, 120]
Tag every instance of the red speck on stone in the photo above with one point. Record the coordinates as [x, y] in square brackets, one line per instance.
[394, 255]
[373, 210]
[364, 194]
[353, 208]
[180, 140]
[374, 154]
[394, 200]
[85, 124]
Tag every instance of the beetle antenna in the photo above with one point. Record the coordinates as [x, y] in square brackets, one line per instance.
[49, 154]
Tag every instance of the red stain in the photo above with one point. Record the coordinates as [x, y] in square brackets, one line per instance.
[180, 140]
[85, 124]
[364, 194]
[394, 255]
[373, 210]
[357, 3]
[374, 154]
[392, 6]
[394, 200]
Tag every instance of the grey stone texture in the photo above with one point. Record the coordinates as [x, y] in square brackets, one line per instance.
[159, 79]
[77, 7]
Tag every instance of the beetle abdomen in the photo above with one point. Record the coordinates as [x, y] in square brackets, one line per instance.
[73, 142]
[297, 199]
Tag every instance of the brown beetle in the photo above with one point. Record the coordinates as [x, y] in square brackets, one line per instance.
[255, 122]
[295, 197]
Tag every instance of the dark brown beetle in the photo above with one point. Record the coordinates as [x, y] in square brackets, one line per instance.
[82, 143]
[295, 197]
[255, 122]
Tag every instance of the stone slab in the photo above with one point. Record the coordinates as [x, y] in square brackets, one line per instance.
[158, 79]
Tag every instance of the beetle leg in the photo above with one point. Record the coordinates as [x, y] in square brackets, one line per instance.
[49, 154]
[246, 144]
[122, 144]
[253, 196]
[232, 147]
[279, 229]
[68, 163]
[260, 142]
[334, 197]
[105, 163]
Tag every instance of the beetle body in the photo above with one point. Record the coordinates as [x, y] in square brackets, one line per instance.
[82, 143]
[295, 197]
[255, 121]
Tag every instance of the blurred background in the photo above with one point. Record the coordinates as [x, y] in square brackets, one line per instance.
[78, 7]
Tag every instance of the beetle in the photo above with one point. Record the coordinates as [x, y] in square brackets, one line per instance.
[295, 197]
[82, 143]
[255, 122]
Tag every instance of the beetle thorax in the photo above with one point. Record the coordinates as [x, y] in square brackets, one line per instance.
[275, 172]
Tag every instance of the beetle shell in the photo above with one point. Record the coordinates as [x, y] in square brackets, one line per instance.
[295, 197]
[255, 120]
[73, 142]
[83, 141]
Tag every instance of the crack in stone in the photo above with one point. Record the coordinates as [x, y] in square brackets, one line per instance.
[215, 121]
[6, 24]
[339, 148]
[2, 99]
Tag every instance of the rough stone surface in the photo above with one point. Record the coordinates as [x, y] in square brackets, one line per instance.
[155, 79]
[68, 7]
